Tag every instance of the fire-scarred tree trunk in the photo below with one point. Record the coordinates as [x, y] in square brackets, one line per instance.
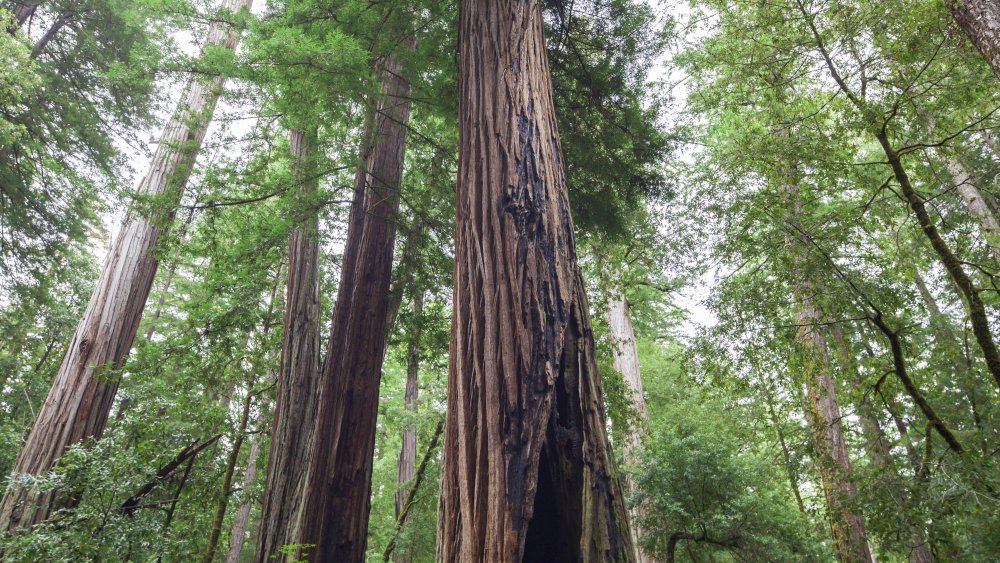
[980, 20]
[78, 404]
[298, 375]
[407, 466]
[626, 362]
[527, 471]
[846, 523]
[337, 499]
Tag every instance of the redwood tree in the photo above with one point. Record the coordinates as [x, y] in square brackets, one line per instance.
[526, 419]
[337, 499]
[298, 376]
[77, 406]
[980, 20]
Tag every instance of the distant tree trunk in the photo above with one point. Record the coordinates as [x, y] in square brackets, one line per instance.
[975, 203]
[298, 375]
[78, 404]
[626, 362]
[242, 518]
[227, 476]
[22, 11]
[980, 20]
[337, 499]
[970, 294]
[793, 474]
[917, 549]
[949, 344]
[847, 524]
[407, 464]
[527, 473]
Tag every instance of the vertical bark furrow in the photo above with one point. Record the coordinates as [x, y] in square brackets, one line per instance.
[980, 20]
[77, 406]
[298, 376]
[337, 501]
[522, 375]
[833, 461]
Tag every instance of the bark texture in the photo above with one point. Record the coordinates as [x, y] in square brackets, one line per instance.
[916, 546]
[846, 522]
[980, 20]
[975, 204]
[626, 362]
[298, 374]
[527, 471]
[407, 464]
[77, 406]
[337, 501]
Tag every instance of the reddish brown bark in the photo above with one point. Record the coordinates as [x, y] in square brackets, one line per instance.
[78, 404]
[527, 471]
[980, 20]
[846, 522]
[298, 377]
[407, 465]
[337, 499]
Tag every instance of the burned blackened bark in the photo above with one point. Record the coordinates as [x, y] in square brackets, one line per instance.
[527, 471]
[980, 20]
[846, 522]
[298, 373]
[407, 464]
[337, 499]
[626, 362]
[78, 404]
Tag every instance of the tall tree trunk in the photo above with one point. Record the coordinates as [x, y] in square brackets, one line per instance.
[846, 522]
[970, 295]
[527, 472]
[78, 404]
[298, 375]
[407, 465]
[793, 474]
[337, 499]
[626, 362]
[917, 549]
[227, 476]
[242, 519]
[980, 20]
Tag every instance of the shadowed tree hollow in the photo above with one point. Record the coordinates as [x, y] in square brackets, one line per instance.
[527, 472]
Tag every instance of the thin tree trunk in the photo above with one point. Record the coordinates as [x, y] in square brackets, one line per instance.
[50, 33]
[22, 11]
[78, 404]
[793, 474]
[337, 500]
[242, 519]
[407, 465]
[847, 524]
[527, 472]
[626, 362]
[980, 20]
[949, 344]
[227, 476]
[298, 376]
[917, 549]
